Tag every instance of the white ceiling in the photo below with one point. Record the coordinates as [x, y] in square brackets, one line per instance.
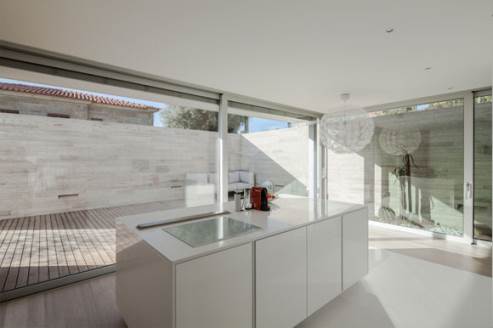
[300, 53]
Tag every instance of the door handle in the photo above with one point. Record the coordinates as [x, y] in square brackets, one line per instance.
[469, 190]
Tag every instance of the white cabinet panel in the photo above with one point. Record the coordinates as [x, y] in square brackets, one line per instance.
[324, 263]
[354, 247]
[144, 285]
[215, 291]
[281, 280]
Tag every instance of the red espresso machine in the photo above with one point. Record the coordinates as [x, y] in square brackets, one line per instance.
[259, 199]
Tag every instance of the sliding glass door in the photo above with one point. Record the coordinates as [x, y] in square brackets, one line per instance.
[78, 155]
[482, 166]
[73, 160]
[418, 156]
[428, 166]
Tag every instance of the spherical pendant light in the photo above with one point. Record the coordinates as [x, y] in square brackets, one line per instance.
[399, 141]
[346, 131]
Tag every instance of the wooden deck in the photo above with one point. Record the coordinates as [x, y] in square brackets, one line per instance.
[40, 248]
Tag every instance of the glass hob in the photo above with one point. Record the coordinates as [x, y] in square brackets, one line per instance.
[209, 231]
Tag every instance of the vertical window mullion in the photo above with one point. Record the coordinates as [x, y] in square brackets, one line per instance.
[468, 165]
[222, 153]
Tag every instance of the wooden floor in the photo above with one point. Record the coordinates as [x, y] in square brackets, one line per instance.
[40, 248]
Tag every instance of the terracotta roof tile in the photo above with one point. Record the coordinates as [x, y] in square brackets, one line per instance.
[72, 94]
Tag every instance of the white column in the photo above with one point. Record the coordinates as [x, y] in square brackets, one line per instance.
[468, 165]
[312, 161]
[320, 191]
[222, 153]
[324, 173]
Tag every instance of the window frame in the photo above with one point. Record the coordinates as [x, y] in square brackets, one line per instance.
[468, 181]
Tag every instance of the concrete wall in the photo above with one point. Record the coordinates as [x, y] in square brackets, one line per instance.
[43, 159]
[104, 164]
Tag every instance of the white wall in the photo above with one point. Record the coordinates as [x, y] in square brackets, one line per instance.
[279, 156]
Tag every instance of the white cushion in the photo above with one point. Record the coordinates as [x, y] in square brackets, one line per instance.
[246, 177]
[243, 185]
[234, 176]
[196, 178]
[238, 186]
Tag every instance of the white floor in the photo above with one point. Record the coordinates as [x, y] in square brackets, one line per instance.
[403, 291]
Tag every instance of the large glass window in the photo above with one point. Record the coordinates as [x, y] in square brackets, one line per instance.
[419, 166]
[73, 160]
[272, 151]
[412, 171]
[76, 158]
[109, 150]
[482, 167]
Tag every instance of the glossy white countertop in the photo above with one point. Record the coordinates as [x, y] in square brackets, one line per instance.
[285, 214]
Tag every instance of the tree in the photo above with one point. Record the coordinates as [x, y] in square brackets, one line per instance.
[199, 119]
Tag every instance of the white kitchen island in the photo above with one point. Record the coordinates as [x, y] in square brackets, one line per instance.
[280, 268]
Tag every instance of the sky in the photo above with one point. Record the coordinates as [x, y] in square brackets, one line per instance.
[255, 124]
[261, 124]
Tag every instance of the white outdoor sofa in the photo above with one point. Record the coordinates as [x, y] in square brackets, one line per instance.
[200, 187]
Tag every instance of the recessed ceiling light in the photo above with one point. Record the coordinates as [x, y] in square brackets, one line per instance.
[345, 96]
[389, 30]
[428, 68]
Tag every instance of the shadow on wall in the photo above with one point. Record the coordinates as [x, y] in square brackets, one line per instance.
[280, 157]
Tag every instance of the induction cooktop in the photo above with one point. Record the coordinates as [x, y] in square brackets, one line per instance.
[204, 232]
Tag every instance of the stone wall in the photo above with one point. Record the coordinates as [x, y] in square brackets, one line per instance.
[42, 105]
[52, 165]
[119, 115]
